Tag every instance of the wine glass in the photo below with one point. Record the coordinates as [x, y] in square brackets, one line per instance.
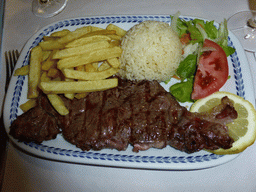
[243, 25]
[48, 8]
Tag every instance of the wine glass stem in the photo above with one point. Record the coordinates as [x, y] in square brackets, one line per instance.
[254, 17]
[43, 1]
[252, 21]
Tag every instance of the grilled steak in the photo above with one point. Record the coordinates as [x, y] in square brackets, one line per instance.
[140, 113]
[37, 124]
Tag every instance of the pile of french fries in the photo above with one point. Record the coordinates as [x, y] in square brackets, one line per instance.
[73, 63]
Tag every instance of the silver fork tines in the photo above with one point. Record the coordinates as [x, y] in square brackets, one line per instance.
[11, 58]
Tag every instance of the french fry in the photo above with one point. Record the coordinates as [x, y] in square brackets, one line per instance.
[50, 62]
[83, 49]
[22, 71]
[90, 68]
[51, 45]
[80, 68]
[61, 33]
[57, 79]
[119, 31]
[60, 87]
[44, 77]
[28, 105]
[86, 40]
[115, 37]
[58, 104]
[81, 95]
[69, 95]
[95, 65]
[96, 28]
[104, 66]
[91, 57]
[88, 76]
[46, 54]
[115, 43]
[53, 73]
[80, 32]
[49, 38]
[34, 72]
[114, 62]
[101, 32]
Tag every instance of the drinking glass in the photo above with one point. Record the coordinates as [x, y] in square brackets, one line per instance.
[243, 25]
[48, 8]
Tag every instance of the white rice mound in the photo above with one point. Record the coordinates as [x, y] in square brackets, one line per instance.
[151, 51]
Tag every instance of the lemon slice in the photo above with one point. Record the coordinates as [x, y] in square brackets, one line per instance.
[242, 129]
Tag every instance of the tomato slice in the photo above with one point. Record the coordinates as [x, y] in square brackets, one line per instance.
[212, 71]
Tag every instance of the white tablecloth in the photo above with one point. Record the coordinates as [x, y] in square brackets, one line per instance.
[27, 173]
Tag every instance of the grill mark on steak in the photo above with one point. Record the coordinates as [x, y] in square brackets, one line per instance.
[148, 129]
[141, 113]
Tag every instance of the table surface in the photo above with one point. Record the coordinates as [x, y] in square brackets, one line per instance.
[27, 173]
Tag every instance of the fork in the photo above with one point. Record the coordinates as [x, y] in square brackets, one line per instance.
[11, 58]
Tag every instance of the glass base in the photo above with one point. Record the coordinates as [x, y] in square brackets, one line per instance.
[49, 8]
[238, 24]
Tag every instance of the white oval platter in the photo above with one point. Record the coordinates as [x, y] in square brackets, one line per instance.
[164, 159]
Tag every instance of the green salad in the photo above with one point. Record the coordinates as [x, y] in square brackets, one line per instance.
[193, 34]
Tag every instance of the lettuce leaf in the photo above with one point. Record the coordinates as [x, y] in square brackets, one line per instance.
[182, 91]
[218, 35]
[187, 67]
